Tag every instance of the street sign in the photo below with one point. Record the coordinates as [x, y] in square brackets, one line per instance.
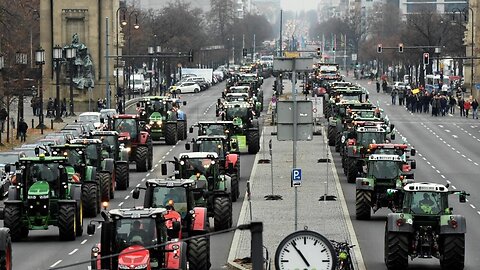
[296, 177]
[354, 57]
[292, 54]
[304, 120]
[287, 64]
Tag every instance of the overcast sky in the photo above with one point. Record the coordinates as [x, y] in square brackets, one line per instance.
[298, 5]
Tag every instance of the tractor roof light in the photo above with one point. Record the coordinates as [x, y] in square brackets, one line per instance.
[105, 205]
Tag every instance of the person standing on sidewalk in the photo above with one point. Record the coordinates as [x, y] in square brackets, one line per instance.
[467, 105]
[22, 130]
[3, 118]
[452, 102]
[475, 109]
[394, 96]
[461, 104]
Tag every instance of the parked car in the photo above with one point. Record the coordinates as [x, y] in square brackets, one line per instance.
[93, 117]
[186, 87]
[62, 138]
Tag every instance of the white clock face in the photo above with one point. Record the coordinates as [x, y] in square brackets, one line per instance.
[305, 252]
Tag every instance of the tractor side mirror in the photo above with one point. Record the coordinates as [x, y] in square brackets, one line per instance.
[392, 127]
[187, 146]
[413, 165]
[462, 197]
[91, 229]
[7, 168]
[37, 151]
[164, 169]
[176, 226]
[392, 137]
[184, 103]
[413, 152]
[136, 193]
[190, 130]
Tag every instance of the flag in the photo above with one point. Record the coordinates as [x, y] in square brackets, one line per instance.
[415, 91]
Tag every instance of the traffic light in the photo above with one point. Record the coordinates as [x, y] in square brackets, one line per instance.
[426, 58]
[400, 48]
[379, 48]
[244, 52]
[319, 53]
[190, 56]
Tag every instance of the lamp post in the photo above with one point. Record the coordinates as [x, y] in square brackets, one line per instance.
[40, 61]
[135, 26]
[2, 66]
[117, 84]
[71, 54]
[150, 52]
[158, 50]
[57, 59]
[464, 12]
[21, 59]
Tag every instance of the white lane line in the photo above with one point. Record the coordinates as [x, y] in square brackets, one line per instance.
[73, 251]
[126, 197]
[175, 145]
[453, 149]
[120, 204]
[420, 155]
[163, 157]
[83, 242]
[448, 145]
[132, 190]
[433, 167]
[475, 163]
[55, 264]
[473, 206]
[446, 130]
[156, 165]
[424, 158]
[99, 227]
[138, 185]
[454, 187]
[151, 170]
[143, 179]
[437, 171]
[448, 181]
[470, 159]
[458, 152]
[428, 162]
[441, 126]
[463, 156]
[147, 175]
[478, 140]
[478, 212]
[443, 176]
[455, 136]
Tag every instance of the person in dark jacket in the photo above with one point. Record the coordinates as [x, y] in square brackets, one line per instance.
[474, 108]
[22, 130]
[461, 103]
[443, 105]
[452, 102]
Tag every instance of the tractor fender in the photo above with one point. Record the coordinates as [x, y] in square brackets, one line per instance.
[108, 165]
[447, 228]
[13, 193]
[364, 184]
[91, 174]
[4, 235]
[181, 115]
[231, 158]
[123, 155]
[406, 227]
[226, 184]
[200, 220]
[178, 259]
[76, 192]
[143, 137]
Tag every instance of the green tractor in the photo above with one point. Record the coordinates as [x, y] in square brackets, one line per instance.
[203, 167]
[42, 195]
[180, 197]
[382, 184]
[220, 128]
[245, 130]
[229, 163]
[79, 169]
[165, 118]
[104, 165]
[112, 148]
[425, 228]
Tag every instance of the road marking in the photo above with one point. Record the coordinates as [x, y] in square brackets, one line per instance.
[151, 170]
[433, 167]
[446, 130]
[463, 156]
[424, 158]
[175, 144]
[453, 148]
[120, 204]
[437, 171]
[470, 159]
[448, 145]
[475, 163]
[156, 165]
[147, 175]
[441, 126]
[473, 206]
[420, 155]
[455, 136]
[132, 190]
[138, 185]
[478, 212]
[55, 264]
[126, 197]
[99, 227]
[73, 251]
[143, 179]
[454, 187]
[83, 242]
[428, 162]
[163, 157]
[443, 176]
[448, 181]
[458, 152]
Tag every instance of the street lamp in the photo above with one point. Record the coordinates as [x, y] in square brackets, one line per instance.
[158, 50]
[57, 59]
[71, 54]
[135, 26]
[2, 66]
[150, 52]
[40, 61]
[123, 23]
[464, 12]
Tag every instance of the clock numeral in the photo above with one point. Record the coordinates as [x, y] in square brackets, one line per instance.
[286, 250]
[325, 260]
[304, 240]
[284, 260]
[323, 250]
[316, 241]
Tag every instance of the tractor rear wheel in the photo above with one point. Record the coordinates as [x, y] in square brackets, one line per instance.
[104, 180]
[338, 141]
[171, 135]
[332, 131]
[13, 221]
[235, 189]
[199, 253]
[6, 253]
[396, 250]
[362, 204]
[181, 130]
[453, 256]
[351, 171]
[122, 175]
[90, 199]
[222, 213]
[67, 222]
[141, 158]
[253, 138]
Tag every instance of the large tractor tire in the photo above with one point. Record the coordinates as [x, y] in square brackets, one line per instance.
[141, 158]
[122, 176]
[363, 204]
[396, 250]
[6, 252]
[222, 213]
[338, 141]
[90, 199]
[199, 253]
[150, 153]
[181, 130]
[351, 171]
[105, 182]
[235, 188]
[332, 132]
[67, 222]
[253, 141]
[453, 256]
[171, 134]
[79, 220]
[13, 221]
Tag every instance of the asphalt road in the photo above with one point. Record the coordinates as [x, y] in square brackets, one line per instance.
[448, 151]
[43, 249]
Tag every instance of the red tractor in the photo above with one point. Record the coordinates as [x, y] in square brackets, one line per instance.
[401, 150]
[134, 135]
[137, 239]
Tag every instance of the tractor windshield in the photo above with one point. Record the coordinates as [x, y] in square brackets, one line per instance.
[210, 146]
[74, 157]
[385, 169]
[43, 172]
[128, 125]
[426, 203]
[129, 232]
[168, 196]
[237, 112]
[214, 130]
[193, 166]
[366, 138]
[92, 154]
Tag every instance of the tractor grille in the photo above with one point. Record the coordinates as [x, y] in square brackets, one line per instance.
[38, 208]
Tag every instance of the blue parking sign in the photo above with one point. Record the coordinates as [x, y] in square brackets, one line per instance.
[296, 177]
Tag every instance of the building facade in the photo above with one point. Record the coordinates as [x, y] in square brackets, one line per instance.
[440, 6]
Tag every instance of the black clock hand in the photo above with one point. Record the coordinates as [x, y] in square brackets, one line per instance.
[300, 253]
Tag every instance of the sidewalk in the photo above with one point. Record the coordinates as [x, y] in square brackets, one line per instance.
[329, 218]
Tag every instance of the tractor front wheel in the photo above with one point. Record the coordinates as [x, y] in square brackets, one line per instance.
[171, 135]
[235, 189]
[104, 180]
[122, 175]
[141, 158]
[13, 221]
[362, 204]
[90, 199]
[222, 213]
[199, 253]
[6, 252]
[332, 131]
[67, 222]
[351, 171]
[453, 256]
[253, 142]
[181, 130]
[396, 250]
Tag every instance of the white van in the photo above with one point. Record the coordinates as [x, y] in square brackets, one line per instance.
[137, 83]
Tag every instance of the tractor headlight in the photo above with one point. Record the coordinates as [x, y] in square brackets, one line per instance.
[159, 123]
[141, 266]
[43, 196]
[152, 122]
[128, 149]
[31, 197]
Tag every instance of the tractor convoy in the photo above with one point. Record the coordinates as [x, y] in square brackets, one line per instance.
[421, 223]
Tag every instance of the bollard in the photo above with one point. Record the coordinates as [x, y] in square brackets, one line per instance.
[51, 123]
[33, 123]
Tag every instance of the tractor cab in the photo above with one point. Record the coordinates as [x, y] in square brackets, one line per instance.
[93, 151]
[133, 234]
[128, 127]
[76, 157]
[110, 143]
[384, 168]
[200, 166]
[209, 128]
[424, 200]
[213, 143]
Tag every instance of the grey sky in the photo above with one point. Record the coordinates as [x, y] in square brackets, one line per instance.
[298, 5]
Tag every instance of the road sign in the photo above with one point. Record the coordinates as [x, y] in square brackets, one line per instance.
[354, 57]
[291, 54]
[296, 177]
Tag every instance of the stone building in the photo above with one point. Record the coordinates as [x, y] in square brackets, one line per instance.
[472, 22]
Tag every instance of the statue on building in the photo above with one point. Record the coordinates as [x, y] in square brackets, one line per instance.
[83, 68]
